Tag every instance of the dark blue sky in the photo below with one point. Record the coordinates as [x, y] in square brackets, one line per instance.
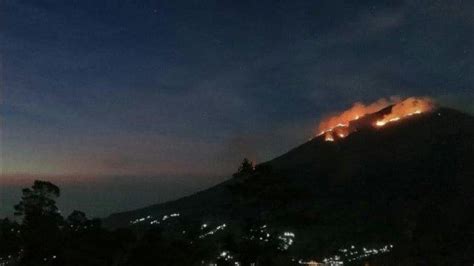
[185, 89]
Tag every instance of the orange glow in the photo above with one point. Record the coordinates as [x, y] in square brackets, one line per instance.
[339, 126]
[339, 123]
[408, 107]
[357, 111]
[328, 137]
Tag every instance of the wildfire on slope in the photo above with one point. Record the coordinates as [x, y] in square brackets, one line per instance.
[408, 107]
[339, 125]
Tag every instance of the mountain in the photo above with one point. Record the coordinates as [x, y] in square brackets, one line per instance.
[410, 182]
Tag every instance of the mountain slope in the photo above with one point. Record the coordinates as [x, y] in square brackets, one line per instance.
[410, 182]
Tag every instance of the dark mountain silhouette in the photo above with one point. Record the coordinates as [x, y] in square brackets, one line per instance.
[410, 182]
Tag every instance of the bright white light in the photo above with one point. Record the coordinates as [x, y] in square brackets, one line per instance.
[380, 123]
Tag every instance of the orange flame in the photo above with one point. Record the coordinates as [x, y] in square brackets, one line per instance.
[337, 126]
[408, 107]
[328, 137]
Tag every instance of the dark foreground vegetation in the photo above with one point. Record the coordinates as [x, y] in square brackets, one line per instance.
[44, 237]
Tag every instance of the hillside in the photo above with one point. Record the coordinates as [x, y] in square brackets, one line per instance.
[408, 183]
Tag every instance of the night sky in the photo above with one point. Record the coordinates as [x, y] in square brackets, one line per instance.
[128, 103]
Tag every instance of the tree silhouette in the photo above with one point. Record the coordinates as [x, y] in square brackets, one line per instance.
[38, 201]
[41, 222]
[245, 168]
[76, 218]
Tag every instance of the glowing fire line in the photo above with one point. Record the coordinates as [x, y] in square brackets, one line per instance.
[381, 123]
[408, 107]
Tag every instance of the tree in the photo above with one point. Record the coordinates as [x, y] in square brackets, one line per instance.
[77, 218]
[77, 221]
[39, 201]
[40, 228]
[245, 168]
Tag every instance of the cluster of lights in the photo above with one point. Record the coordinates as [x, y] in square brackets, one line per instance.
[15, 231]
[6, 261]
[311, 263]
[155, 221]
[213, 231]
[333, 261]
[353, 254]
[261, 234]
[225, 255]
[78, 228]
[348, 255]
[10, 259]
[140, 220]
[287, 239]
[53, 257]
